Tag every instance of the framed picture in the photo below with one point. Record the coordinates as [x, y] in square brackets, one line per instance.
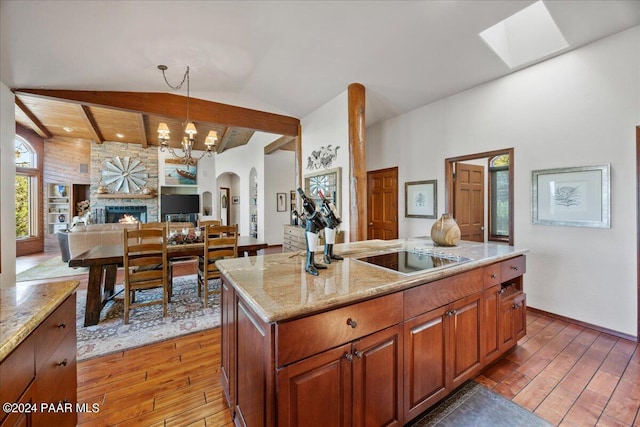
[281, 200]
[421, 199]
[235, 200]
[328, 182]
[575, 197]
[177, 173]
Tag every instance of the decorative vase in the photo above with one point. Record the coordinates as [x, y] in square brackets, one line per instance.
[445, 231]
[61, 218]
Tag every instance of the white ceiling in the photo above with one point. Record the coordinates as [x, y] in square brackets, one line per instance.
[284, 57]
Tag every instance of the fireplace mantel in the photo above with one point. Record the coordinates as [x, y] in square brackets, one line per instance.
[123, 196]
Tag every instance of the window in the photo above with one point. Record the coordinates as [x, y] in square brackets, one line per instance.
[26, 190]
[499, 198]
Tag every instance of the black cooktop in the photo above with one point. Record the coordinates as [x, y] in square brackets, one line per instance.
[412, 262]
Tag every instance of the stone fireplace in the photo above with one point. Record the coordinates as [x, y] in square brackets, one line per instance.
[137, 204]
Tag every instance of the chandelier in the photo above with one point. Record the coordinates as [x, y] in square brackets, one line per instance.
[188, 139]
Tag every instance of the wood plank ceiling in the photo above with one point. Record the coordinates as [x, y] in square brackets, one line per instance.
[50, 115]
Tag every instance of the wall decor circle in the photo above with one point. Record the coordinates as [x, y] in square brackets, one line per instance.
[124, 174]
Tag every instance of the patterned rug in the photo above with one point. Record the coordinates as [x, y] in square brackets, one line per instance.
[53, 267]
[474, 405]
[146, 324]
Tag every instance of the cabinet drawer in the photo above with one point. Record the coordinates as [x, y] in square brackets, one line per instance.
[432, 295]
[54, 329]
[492, 275]
[512, 268]
[310, 335]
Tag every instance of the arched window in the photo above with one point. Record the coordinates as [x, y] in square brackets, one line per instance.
[499, 198]
[26, 189]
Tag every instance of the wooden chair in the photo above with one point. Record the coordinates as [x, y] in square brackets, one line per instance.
[205, 222]
[145, 267]
[220, 241]
[162, 226]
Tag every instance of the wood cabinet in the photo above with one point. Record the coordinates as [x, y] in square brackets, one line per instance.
[357, 384]
[381, 361]
[442, 350]
[294, 238]
[42, 371]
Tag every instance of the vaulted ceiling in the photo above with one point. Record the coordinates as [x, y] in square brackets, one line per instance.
[284, 57]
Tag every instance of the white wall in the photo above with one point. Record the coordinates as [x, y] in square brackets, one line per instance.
[279, 178]
[7, 188]
[577, 109]
[329, 124]
[574, 110]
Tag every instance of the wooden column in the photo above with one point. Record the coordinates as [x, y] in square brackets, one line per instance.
[357, 164]
[298, 165]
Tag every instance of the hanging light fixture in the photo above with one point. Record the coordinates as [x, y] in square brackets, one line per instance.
[189, 131]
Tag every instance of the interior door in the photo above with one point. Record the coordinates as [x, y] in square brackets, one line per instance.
[469, 201]
[382, 204]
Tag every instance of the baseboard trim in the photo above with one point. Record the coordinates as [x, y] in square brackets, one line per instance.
[584, 324]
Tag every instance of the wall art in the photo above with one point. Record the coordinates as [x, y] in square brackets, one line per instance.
[322, 158]
[421, 199]
[575, 197]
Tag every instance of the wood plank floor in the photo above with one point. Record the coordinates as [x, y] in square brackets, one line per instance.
[567, 374]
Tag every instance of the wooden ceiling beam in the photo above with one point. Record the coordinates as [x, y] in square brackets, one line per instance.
[278, 144]
[170, 105]
[41, 129]
[143, 131]
[90, 121]
[226, 137]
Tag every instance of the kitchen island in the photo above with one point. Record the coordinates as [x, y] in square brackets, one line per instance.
[38, 354]
[360, 344]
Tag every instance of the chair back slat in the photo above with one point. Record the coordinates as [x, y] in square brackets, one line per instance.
[220, 241]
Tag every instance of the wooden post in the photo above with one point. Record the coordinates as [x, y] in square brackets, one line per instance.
[357, 163]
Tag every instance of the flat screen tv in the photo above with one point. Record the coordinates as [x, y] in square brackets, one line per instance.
[179, 203]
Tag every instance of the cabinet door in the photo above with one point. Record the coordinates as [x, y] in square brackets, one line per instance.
[23, 418]
[491, 324]
[510, 309]
[464, 329]
[377, 381]
[316, 391]
[227, 355]
[519, 316]
[424, 362]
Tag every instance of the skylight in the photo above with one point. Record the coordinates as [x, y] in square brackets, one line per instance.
[525, 36]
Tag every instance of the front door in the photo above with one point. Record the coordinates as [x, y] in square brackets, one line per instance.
[469, 201]
[382, 204]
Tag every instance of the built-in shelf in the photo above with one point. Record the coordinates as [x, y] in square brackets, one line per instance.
[124, 196]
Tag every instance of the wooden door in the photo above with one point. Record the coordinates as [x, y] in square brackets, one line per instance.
[316, 391]
[382, 204]
[464, 334]
[469, 201]
[377, 380]
[424, 362]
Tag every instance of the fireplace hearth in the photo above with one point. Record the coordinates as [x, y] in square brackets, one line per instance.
[115, 214]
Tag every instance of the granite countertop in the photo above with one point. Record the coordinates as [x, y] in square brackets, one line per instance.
[277, 288]
[25, 306]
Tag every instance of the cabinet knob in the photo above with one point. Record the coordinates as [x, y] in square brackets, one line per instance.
[352, 322]
[62, 325]
[63, 363]
[359, 354]
[516, 306]
[514, 267]
[349, 357]
[493, 276]
[502, 290]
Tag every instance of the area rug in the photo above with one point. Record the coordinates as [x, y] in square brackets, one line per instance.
[53, 267]
[146, 324]
[475, 405]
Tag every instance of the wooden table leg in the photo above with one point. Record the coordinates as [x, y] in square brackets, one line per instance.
[109, 280]
[94, 296]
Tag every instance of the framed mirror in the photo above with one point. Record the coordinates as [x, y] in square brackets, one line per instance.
[329, 182]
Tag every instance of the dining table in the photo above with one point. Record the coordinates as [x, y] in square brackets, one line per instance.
[103, 262]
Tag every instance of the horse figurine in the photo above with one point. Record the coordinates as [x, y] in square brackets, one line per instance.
[84, 219]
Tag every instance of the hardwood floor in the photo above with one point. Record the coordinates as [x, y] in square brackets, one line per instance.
[567, 374]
